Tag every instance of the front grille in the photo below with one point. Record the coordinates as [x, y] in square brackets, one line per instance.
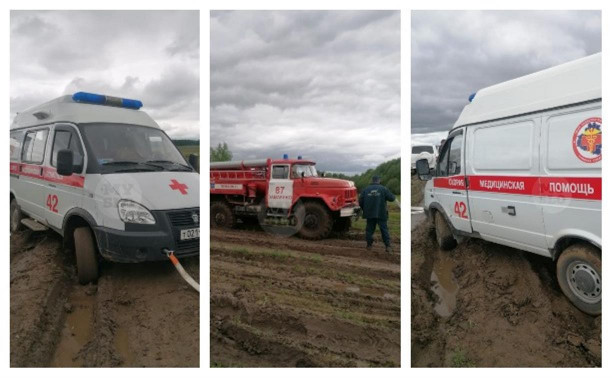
[184, 218]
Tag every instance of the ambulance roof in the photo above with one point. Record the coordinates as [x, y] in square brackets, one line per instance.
[566, 84]
[65, 109]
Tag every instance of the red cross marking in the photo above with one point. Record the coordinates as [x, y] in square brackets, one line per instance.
[178, 186]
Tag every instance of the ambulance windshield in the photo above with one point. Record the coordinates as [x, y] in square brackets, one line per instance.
[117, 145]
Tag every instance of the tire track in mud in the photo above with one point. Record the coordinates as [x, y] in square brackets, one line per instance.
[509, 309]
[290, 302]
[136, 315]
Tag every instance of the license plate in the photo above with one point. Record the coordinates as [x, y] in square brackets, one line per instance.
[190, 233]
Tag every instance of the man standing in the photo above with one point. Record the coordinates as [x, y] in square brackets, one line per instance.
[373, 201]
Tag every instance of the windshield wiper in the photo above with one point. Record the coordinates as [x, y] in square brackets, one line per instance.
[121, 162]
[185, 166]
[143, 167]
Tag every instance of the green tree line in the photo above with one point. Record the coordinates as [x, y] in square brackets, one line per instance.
[389, 172]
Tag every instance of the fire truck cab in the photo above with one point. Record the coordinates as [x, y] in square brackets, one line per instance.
[286, 192]
[103, 175]
[522, 167]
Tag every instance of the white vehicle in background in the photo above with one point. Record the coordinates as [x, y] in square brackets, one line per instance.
[522, 167]
[423, 151]
[104, 176]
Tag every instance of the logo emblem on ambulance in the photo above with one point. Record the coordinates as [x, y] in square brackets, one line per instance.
[587, 140]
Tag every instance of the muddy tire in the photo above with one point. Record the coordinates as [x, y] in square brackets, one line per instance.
[315, 221]
[579, 276]
[86, 256]
[221, 215]
[444, 235]
[342, 224]
[16, 216]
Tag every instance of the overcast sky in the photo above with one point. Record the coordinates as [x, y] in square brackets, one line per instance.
[455, 53]
[152, 56]
[322, 84]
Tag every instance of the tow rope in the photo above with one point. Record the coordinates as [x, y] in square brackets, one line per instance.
[181, 270]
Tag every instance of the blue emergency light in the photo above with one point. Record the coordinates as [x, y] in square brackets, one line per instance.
[300, 157]
[92, 98]
[285, 156]
[472, 96]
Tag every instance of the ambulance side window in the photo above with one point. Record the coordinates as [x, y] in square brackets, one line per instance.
[67, 140]
[34, 146]
[280, 171]
[454, 156]
[16, 141]
[443, 160]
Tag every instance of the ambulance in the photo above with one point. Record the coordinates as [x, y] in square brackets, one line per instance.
[106, 177]
[522, 167]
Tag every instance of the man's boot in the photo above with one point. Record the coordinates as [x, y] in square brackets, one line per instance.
[388, 249]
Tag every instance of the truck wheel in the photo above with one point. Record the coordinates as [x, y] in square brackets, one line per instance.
[221, 215]
[86, 257]
[16, 216]
[317, 221]
[444, 236]
[579, 276]
[342, 224]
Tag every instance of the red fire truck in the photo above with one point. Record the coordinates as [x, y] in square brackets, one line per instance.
[281, 194]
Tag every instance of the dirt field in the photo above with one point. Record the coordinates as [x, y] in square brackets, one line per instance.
[483, 304]
[285, 301]
[136, 315]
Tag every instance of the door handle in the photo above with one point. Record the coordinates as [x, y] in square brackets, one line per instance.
[52, 185]
[510, 210]
[455, 192]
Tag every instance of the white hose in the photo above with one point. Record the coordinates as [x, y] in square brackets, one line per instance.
[182, 271]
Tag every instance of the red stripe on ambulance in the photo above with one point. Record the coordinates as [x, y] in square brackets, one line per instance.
[47, 174]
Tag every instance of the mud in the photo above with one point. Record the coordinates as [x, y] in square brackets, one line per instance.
[136, 314]
[278, 301]
[482, 304]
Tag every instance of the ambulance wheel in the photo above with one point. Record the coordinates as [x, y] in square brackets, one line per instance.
[221, 215]
[444, 235]
[86, 257]
[579, 276]
[16, 216]
[317, 221]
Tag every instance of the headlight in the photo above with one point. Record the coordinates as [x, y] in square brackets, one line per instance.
[132, 212]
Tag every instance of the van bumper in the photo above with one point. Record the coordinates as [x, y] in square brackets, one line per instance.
[139, 243]
[140, 246]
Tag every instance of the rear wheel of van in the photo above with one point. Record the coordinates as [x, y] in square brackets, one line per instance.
[86, 257]
[16, 216]
[444, 235]
[317, 221]
[579, 276]
[221, 215]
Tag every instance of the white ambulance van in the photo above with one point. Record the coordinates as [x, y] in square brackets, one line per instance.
[104, 175]
[522, 167]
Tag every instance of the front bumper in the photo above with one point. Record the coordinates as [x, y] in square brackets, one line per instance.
[139, 243]
[350, 211]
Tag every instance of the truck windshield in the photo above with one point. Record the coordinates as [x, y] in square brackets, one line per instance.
[308, 170]
[132, 147]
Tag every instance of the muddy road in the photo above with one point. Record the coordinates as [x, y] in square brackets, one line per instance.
[136, 315]
[483, 304]
[285, 301]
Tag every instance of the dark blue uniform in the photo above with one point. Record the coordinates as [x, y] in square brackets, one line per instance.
[373, 202]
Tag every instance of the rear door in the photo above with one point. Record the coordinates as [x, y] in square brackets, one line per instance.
[280, 187]
[64, 192]
[503, 174]
[450, 185]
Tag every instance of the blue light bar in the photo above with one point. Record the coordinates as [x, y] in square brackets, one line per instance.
[472, 96]
[285, 156]
[92, 98]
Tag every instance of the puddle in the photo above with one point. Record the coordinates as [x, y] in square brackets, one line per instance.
[77, 330]
[122, 345]
[444, 286]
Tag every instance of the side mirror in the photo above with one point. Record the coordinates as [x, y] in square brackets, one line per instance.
[422, 168]
[194, 161]
[65, 165]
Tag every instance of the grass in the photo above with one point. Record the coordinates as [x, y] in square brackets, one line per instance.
[459, 359]
[187, 150]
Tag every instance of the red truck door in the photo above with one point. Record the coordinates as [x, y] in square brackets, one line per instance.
[280, 187]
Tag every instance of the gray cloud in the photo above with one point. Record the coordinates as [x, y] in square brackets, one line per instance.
[149, 55]
[455, 53]
[322, 84]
